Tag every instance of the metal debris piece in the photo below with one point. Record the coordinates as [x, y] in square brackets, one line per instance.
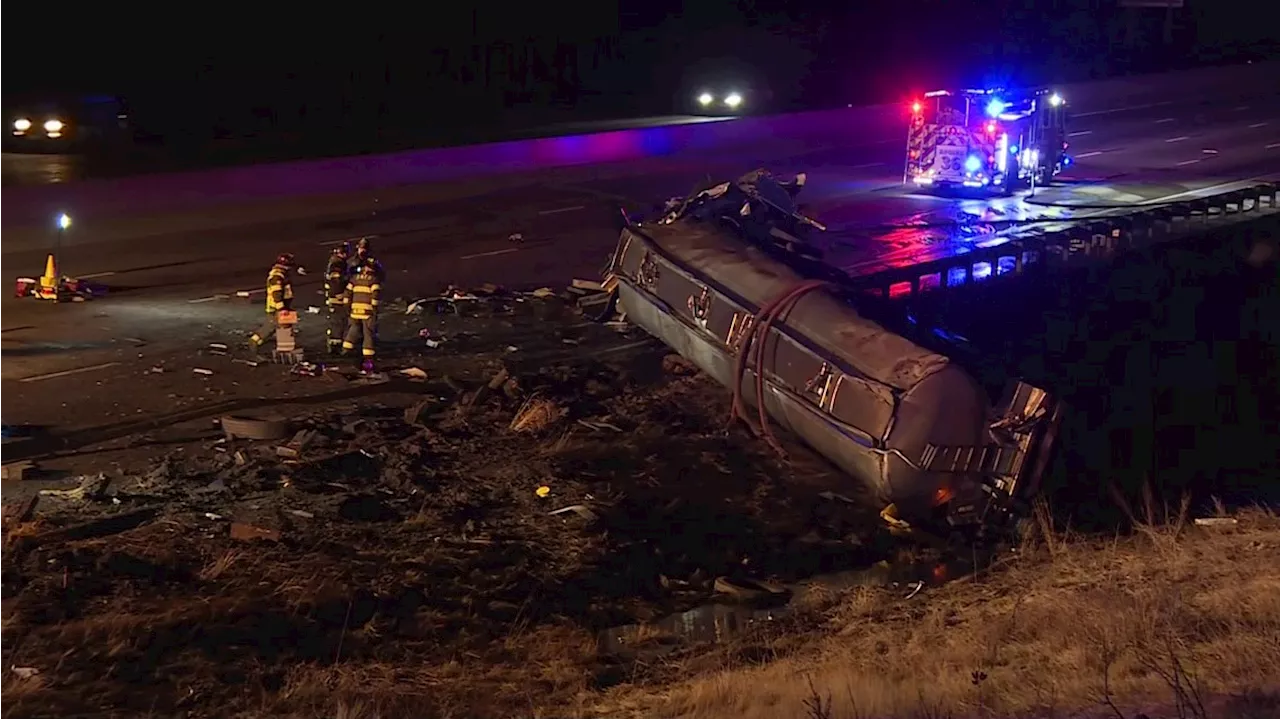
[414, 372]
[90, 488]
[253, 428]
[589, 285]
[1216, 521]
[595, 425]
[202, 370]
[17, 470]
[915, 589]
[581, 510]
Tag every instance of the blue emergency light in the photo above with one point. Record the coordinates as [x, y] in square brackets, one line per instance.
[995, 107]
[973, 163]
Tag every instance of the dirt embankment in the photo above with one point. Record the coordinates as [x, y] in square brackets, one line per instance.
[458, 545]
[401, 548]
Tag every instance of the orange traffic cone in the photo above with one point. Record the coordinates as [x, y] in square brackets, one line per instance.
[49, 280]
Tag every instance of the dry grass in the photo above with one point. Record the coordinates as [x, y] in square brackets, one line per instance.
[1177, 620]
[536, 415]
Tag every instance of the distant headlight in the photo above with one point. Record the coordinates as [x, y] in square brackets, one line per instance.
[705, 99]
[22, 125]
[53, 126]
[733, 100]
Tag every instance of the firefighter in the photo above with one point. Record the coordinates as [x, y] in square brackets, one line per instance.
[364, 252]
[279, 297]
[336, 276]
[362, 302]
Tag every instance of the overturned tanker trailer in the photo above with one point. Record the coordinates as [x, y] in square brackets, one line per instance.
[728, 278]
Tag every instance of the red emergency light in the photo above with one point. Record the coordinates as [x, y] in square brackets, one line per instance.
[991, 128]
[915, 107]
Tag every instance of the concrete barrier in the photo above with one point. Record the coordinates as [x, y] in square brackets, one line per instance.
[101, 200]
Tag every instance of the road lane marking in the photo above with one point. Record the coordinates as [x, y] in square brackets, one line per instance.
[1179, 138]
[93, 275]
[1080, 133]
[1256, 125]
[1242, 108]
[1164, 120]
[563, 209]
[1188, 162]
[67, 372]
[1121, 109]
[867, 165]
[1273, 145]
[331, 243]
[211, 298]
[1088, 154]
[490, 254]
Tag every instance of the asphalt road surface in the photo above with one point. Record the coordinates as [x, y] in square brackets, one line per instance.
[27, 169]
[166, 284]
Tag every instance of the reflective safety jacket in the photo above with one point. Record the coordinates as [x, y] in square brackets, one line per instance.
[279, 289]
[362, 294]
[335, 280]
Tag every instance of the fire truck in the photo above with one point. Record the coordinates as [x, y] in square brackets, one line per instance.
[986, 139]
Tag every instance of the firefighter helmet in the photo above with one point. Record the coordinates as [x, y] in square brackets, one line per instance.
[286, 259]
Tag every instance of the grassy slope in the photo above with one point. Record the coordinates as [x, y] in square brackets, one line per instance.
[1178, 621]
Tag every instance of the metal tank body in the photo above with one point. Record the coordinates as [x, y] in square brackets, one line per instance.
[912, 428]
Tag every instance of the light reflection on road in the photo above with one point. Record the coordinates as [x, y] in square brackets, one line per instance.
[31, 169]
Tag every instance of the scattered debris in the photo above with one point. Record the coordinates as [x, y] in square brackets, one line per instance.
[248, 533]
[537, 414]
[542, 491]
[414, 372]
[251, 428]
[19, 512]
[202, 370]
[1216, 521]
[581, 510]
[18, 470]
[89, 488]
[25, 672]
[590, 285]
[102, 527]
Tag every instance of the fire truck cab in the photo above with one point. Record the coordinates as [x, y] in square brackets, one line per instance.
[987, 139]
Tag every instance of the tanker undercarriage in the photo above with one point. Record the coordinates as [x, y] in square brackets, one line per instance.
[729, 279]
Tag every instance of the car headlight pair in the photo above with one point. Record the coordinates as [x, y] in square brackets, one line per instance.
[733, 99]
[23, 124]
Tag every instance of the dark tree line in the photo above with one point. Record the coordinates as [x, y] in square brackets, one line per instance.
[366, 70]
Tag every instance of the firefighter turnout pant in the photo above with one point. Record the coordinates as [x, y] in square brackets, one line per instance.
[264, 332]
[337, 326]
[362, 330]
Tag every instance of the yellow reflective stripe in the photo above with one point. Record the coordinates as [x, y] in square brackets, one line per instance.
[374, 288]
